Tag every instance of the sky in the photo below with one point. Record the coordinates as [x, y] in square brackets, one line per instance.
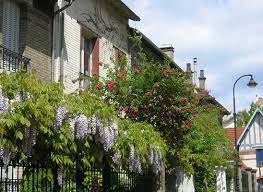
[225, 35]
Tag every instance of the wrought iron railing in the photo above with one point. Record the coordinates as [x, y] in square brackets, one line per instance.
[12, 61]
[20, 177]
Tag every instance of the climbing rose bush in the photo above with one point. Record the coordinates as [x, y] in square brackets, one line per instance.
[156, 94]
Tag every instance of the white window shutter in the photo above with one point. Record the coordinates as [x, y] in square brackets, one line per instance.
[11, 25]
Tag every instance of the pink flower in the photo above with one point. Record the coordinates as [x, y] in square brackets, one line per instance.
[147, 93]
[156, 85]
[109, 85]
[120, 75]
[183, 100]
[187, 124]
[98, 86]
[177, 109]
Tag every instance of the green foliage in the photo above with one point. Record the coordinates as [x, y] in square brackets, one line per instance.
[246, 115]
[207, 147]
[164, 98]
[142, 136]
[54, 147]
[155, 94]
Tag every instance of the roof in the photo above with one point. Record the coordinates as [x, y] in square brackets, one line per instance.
[147, 42]
[158, 51]
[230, 133]
[125, 9]
[258, 111]
[225, 111]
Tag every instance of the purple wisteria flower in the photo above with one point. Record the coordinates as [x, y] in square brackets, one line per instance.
[61, 114]
[81, 126]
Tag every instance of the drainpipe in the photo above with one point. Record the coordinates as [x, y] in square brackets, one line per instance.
[62, 50]
[61, 42]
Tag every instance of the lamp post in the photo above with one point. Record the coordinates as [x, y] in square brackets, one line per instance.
[250, 84]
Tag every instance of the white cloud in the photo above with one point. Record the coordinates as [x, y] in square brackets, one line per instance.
[244, 62]
[226, 35]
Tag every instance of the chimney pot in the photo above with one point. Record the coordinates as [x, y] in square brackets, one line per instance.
[202, 74]
[168, 49]
[189, 71]
[195, 70]
[202, 79]
[188, 67]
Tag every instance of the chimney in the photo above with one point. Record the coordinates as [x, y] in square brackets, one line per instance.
[168, 50]
[202, 79]
[189, 71]
[195, 70]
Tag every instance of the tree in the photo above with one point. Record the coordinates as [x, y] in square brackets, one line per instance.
[165, 98]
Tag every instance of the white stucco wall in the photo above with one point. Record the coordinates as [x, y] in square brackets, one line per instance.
[221, 179]
[71, 53]
[104, 21]
[249, 160]
[185, 182]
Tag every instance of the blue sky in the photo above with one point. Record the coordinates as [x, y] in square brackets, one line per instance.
[225, 35]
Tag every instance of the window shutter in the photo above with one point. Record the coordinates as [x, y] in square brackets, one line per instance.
[11, 15]
[95, 57]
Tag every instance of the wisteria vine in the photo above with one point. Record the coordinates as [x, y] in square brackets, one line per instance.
[104, 130]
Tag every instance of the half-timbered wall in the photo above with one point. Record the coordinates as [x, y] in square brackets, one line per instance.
[253, 134]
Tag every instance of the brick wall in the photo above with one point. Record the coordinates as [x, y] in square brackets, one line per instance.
[35, 41]
[1, 23]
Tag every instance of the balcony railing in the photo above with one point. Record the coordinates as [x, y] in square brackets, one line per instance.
[12, 61]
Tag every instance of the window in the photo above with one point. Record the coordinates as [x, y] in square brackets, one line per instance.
[89, 56]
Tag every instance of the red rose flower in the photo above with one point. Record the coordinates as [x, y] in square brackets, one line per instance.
[183, 100]
[109, 85]
[156, 85]
[147, 93]
[177, 109]
[120, 75]
[98, 86]
[187, 124]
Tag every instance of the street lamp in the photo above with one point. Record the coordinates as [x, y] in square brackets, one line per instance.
[252, 83]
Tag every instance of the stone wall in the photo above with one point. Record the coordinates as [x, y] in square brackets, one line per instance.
[35, 41]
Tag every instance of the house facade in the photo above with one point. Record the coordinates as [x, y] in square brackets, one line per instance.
[25, 37]
[65, 39]
[95, 33]
[251, 143]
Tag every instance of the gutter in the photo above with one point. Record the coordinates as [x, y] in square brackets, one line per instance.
[65, 7]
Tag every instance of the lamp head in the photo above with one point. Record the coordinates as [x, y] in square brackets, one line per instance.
[252, 83]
